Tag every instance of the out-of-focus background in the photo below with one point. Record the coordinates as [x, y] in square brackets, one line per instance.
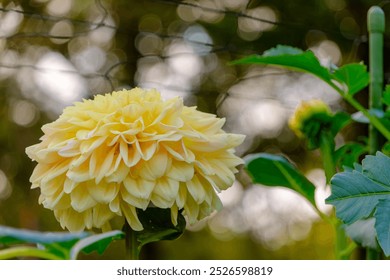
[55, 52]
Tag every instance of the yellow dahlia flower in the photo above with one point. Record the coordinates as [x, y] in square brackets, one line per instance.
[129, 150]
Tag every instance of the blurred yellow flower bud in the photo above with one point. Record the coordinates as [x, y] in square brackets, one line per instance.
[308, 117]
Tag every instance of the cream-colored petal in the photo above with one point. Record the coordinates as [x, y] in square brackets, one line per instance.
[130, 155]
[161, 202]
[140, 203]
[101, 215]
[119, 174]
[115, 206]
[138, 187]
[81, 199]
[181, 171]
[103, 192]
[131, 217]
[174, 214]
[182, 195]
[87, 147]
[191, 210]
[53, 186]
[62, 201]
[106, 165]
[179, 151]
[156, 167]
[196, 189]
[148, 149]
[49, 174]
[79, 174]
[166, 188]
[69, 185]
[70, 219]
[165, 193]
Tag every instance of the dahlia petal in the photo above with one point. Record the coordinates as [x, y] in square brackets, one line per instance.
[83, 134]
[62, 201]
[69, 185]
[102, 192]
[191, 209]
[196, 189]
[101, 214]
[80, 199]
[114, 140]
[181, 171]
[174, 152]
[53, 186]
[70, 150]
[71, 219]
[165, 192]
[131, 217]
[48, 156]
[133, 157]
[119, 173]
[216, 142]
[181, 196]
[49, 172]
[114, 206]
[105, 166]
[91, 144]
[174, 214]
[79, 174]
[147, 149]
[161, 202]
[140, 203]
[139, 188]
[156, 167]
[171, 112]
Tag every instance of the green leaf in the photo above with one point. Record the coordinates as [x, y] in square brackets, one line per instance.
[274, 170]
[339, 121]
[386, 95]
[283, 50]
[382, 224]
[348, 154]
[357, 194]
[97, 242]
[386, 148]
[292, 58]
[354, 76]
[158, 226]
[10, 235]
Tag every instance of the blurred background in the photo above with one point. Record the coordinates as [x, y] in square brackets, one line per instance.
[55, 52]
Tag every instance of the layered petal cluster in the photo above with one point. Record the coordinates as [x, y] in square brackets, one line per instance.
[130, 150]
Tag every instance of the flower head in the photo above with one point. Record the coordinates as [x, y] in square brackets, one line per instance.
[130, 150]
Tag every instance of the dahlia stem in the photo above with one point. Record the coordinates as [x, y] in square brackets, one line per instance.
[132, 251]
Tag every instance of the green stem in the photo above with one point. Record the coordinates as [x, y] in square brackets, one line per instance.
[132, 244]
[327, 151]
[25, 251]
[374, 121]
[341, 243]
[372, 254]
[327, 146]
[376, 28]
